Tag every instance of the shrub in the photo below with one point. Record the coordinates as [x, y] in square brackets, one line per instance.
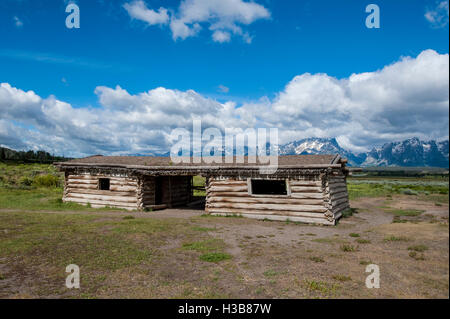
[348, 248]
[416, 256]
[46, 181]
[25, 181]
[349, 212]
[419, 248]
[363, 241]
[408, 191]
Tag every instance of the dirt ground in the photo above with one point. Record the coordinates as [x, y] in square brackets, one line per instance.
[268, 259]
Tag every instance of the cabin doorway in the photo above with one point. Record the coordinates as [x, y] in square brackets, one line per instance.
[159, 190]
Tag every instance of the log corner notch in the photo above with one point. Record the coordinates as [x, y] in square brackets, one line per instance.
[304, 188]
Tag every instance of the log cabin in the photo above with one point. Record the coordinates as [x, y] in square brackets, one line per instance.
[304, 188]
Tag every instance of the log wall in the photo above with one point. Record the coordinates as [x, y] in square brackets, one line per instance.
[146, 192]
[336, 188]
[83, 189]
[306, 200]
[127, 192]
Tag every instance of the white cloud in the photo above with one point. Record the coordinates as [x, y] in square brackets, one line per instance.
[223, 89]
[138, 10]
[223, 17]
[407, 98]
[438, 16]
[221, 36]
[17, 22]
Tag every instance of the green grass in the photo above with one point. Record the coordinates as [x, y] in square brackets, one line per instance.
[199, 181]
[363, 241]
[317, 259]
[395, 238]
[211, 249]
[349, 212]
[398, 219]
[321, 287]
[270, 273]
[67, 239]
[354, 235]
[342, 278]
[416, 256]
[403, 212]
[418, 248]
[348, 248]
[40, 199]
[205, 245]
[325, 240]
[34, 187]
[203, 229]
[382, 187]
[214, 257]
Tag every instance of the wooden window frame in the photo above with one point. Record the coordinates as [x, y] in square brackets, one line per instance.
[250, 190]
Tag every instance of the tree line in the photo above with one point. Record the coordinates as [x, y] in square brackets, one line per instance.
[7, 154]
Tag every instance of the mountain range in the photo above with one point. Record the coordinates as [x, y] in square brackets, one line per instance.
[412, 152]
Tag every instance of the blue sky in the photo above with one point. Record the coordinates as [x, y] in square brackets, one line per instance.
[282, 40]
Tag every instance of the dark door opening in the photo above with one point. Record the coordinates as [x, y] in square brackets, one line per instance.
[268, 187]
[158, 190]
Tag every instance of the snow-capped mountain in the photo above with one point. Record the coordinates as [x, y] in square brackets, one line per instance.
[411, 152]
[313, 146]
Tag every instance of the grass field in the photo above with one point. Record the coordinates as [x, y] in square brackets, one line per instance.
[400, 224]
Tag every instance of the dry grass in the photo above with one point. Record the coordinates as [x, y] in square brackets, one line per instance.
[181, 254]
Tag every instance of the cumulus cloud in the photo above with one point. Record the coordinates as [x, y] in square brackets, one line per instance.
[138, 10]
[223, 17]
[221, 36]
[438, 15]
[407, 98]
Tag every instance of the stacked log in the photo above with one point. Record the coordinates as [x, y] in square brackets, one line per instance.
[146, 192]
[83, 189]
[304, 202]
[337, 186]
